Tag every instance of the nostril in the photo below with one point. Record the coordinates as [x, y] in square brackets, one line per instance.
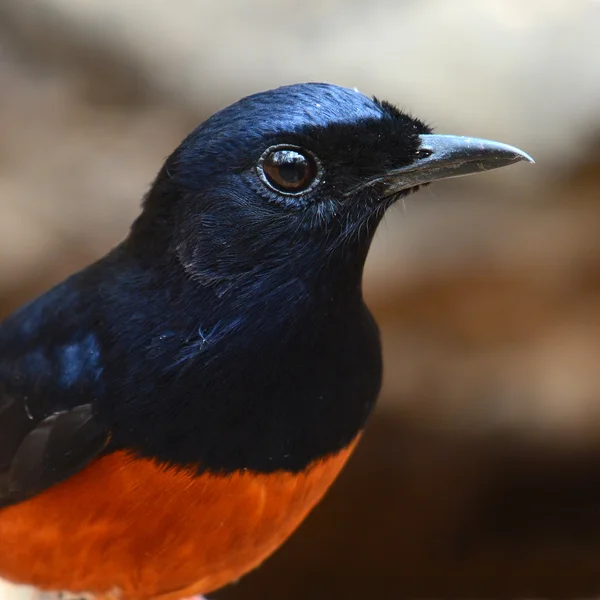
[424, 153]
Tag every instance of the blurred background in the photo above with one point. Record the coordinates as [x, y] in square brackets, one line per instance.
[479, 475]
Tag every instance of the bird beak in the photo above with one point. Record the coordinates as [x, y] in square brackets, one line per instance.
[445, 156]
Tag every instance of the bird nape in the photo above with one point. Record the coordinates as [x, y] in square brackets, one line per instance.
[171, 413]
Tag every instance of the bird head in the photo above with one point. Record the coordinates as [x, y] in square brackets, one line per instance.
[294, 181]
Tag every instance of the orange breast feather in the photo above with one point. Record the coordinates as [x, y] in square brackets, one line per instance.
[154, 532]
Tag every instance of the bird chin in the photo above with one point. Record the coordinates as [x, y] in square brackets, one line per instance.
[392, 197]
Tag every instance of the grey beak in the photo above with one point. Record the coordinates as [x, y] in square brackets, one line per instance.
[445, 156]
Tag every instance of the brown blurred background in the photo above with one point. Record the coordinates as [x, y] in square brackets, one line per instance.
[479, 475]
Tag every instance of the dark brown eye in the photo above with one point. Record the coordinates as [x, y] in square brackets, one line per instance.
[288, 170]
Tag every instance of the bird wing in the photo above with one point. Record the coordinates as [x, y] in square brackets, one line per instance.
[48, 380]
[35, 455]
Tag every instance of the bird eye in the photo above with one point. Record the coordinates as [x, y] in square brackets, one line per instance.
[288, 170]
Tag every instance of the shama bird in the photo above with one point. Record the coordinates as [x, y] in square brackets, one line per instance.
[171, 413]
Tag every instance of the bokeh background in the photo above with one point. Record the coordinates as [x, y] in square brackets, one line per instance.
[479, 475]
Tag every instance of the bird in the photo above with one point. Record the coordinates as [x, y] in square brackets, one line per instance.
[171, 413]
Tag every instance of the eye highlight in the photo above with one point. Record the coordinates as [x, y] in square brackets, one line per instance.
[289, 170]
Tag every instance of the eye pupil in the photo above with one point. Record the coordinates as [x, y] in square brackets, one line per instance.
[288, 170]
[293, 171]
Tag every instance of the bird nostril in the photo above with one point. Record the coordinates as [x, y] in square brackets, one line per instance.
[424, 153]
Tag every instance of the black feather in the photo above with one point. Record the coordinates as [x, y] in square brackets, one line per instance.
[228, 331]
